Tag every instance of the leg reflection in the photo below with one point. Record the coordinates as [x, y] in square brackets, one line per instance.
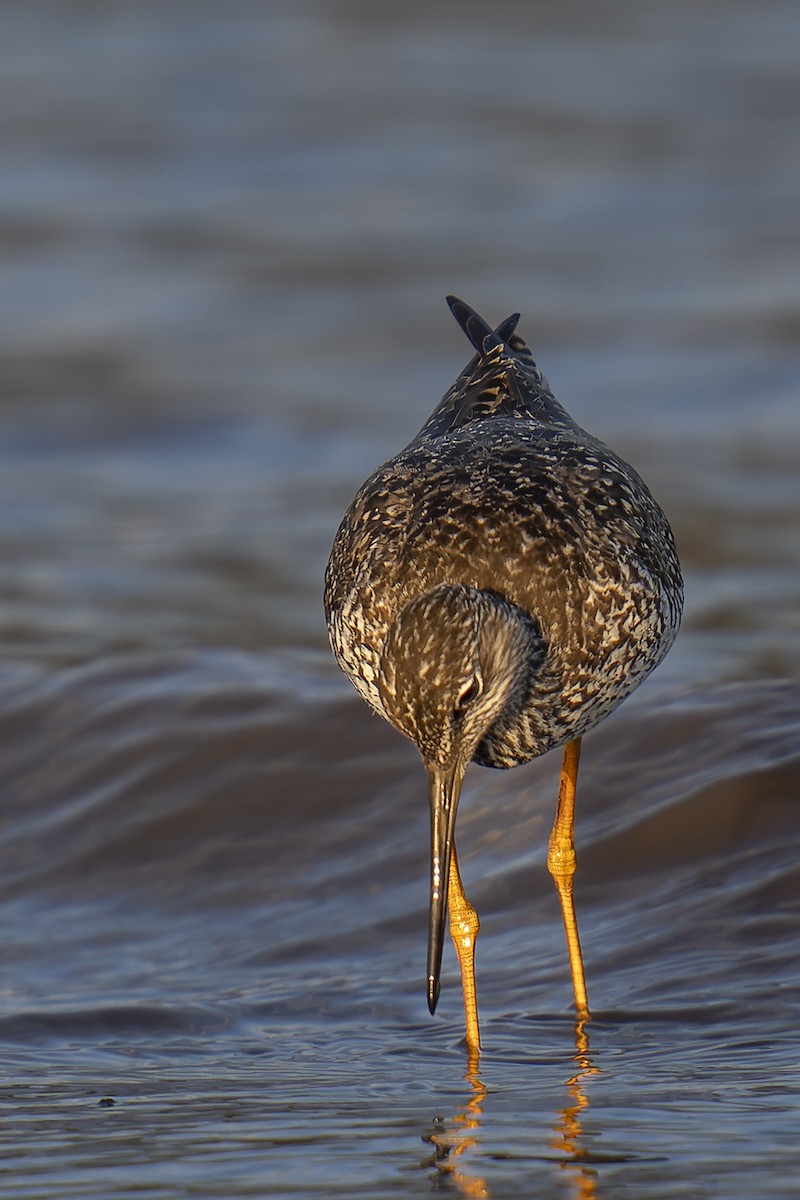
[569, 1138]
[453, 1141]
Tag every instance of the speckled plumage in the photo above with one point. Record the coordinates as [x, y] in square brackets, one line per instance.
[506, 580]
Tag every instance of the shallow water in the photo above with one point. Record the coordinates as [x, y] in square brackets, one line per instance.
[225, 236]
[214, 914]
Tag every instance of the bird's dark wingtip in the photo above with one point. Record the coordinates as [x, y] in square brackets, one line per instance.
[505, 329]
[479, 333]
[433, 994]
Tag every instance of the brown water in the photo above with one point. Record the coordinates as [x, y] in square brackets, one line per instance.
[226, 232]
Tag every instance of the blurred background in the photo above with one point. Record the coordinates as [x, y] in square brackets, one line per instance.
[226, 234]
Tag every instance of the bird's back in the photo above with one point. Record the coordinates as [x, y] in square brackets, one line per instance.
[502, 491]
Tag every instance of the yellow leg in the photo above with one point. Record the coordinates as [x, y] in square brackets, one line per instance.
[464, 926]
[561, 863]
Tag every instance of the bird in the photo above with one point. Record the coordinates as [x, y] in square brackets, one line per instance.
[494, 591]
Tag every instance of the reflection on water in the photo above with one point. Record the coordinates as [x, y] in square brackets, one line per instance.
[454, 1139]
[569, 1136]
[457, 1141]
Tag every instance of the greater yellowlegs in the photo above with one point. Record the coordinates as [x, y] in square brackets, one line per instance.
[494, 591]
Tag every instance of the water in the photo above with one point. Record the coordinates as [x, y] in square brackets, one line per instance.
[225, 237]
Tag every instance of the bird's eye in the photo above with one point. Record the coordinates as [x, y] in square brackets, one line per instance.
[468, 694]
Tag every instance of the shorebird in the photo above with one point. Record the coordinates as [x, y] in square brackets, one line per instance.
[494, 591]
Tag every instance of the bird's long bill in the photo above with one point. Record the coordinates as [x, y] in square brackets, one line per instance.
[445, 787]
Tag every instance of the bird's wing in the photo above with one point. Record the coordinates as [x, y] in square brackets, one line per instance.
[501, 379]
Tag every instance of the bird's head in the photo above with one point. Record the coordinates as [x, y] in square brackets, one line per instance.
[455, 659]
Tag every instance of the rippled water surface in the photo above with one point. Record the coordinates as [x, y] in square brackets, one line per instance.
[226, 232]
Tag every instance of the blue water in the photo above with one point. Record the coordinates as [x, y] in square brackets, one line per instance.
[226, 233]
